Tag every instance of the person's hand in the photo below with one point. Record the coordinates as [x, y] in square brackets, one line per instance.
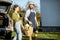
[37, 24]
[30, 22]
[26, 28]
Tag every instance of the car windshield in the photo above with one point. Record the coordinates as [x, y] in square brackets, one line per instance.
[3, 8]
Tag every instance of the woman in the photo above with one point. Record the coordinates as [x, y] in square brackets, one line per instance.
[30, 17]
[17, 23]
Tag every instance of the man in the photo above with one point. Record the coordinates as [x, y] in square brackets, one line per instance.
[30, 17]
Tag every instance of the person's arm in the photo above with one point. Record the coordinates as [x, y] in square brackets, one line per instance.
[36, 19]
[22, 26]
[10, 20]
[27, 15]
[13, 18]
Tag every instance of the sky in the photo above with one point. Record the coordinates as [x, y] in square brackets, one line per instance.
[23, 3]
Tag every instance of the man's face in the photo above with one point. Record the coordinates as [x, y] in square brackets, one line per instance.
[31, 6]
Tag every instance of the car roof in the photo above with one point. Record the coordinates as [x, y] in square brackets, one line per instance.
[6, 2]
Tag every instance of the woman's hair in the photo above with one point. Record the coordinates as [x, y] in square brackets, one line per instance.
[30, 4]
[15, 6]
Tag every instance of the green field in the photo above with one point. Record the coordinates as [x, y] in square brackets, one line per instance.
[42, 36]
[45, 35]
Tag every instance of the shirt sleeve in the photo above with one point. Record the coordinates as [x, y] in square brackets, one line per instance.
[27, 14]
[35, 13]
[13, 16]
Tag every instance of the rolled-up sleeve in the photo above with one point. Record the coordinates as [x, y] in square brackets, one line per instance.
[27, 14]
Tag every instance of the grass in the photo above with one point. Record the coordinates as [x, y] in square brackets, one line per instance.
[43, 36]
[46, 35]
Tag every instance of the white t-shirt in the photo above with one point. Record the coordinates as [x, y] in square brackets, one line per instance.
[28, 13]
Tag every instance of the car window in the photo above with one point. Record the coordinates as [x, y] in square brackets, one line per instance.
[3, 8]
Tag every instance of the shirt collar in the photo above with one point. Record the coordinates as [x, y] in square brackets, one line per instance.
[32, 10]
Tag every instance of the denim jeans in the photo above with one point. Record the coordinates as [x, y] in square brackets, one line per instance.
[18, 31]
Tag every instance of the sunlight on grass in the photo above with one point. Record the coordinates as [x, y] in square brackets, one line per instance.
[46, 35]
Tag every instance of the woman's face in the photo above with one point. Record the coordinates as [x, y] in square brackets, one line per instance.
[17, 9]
[31, 6]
